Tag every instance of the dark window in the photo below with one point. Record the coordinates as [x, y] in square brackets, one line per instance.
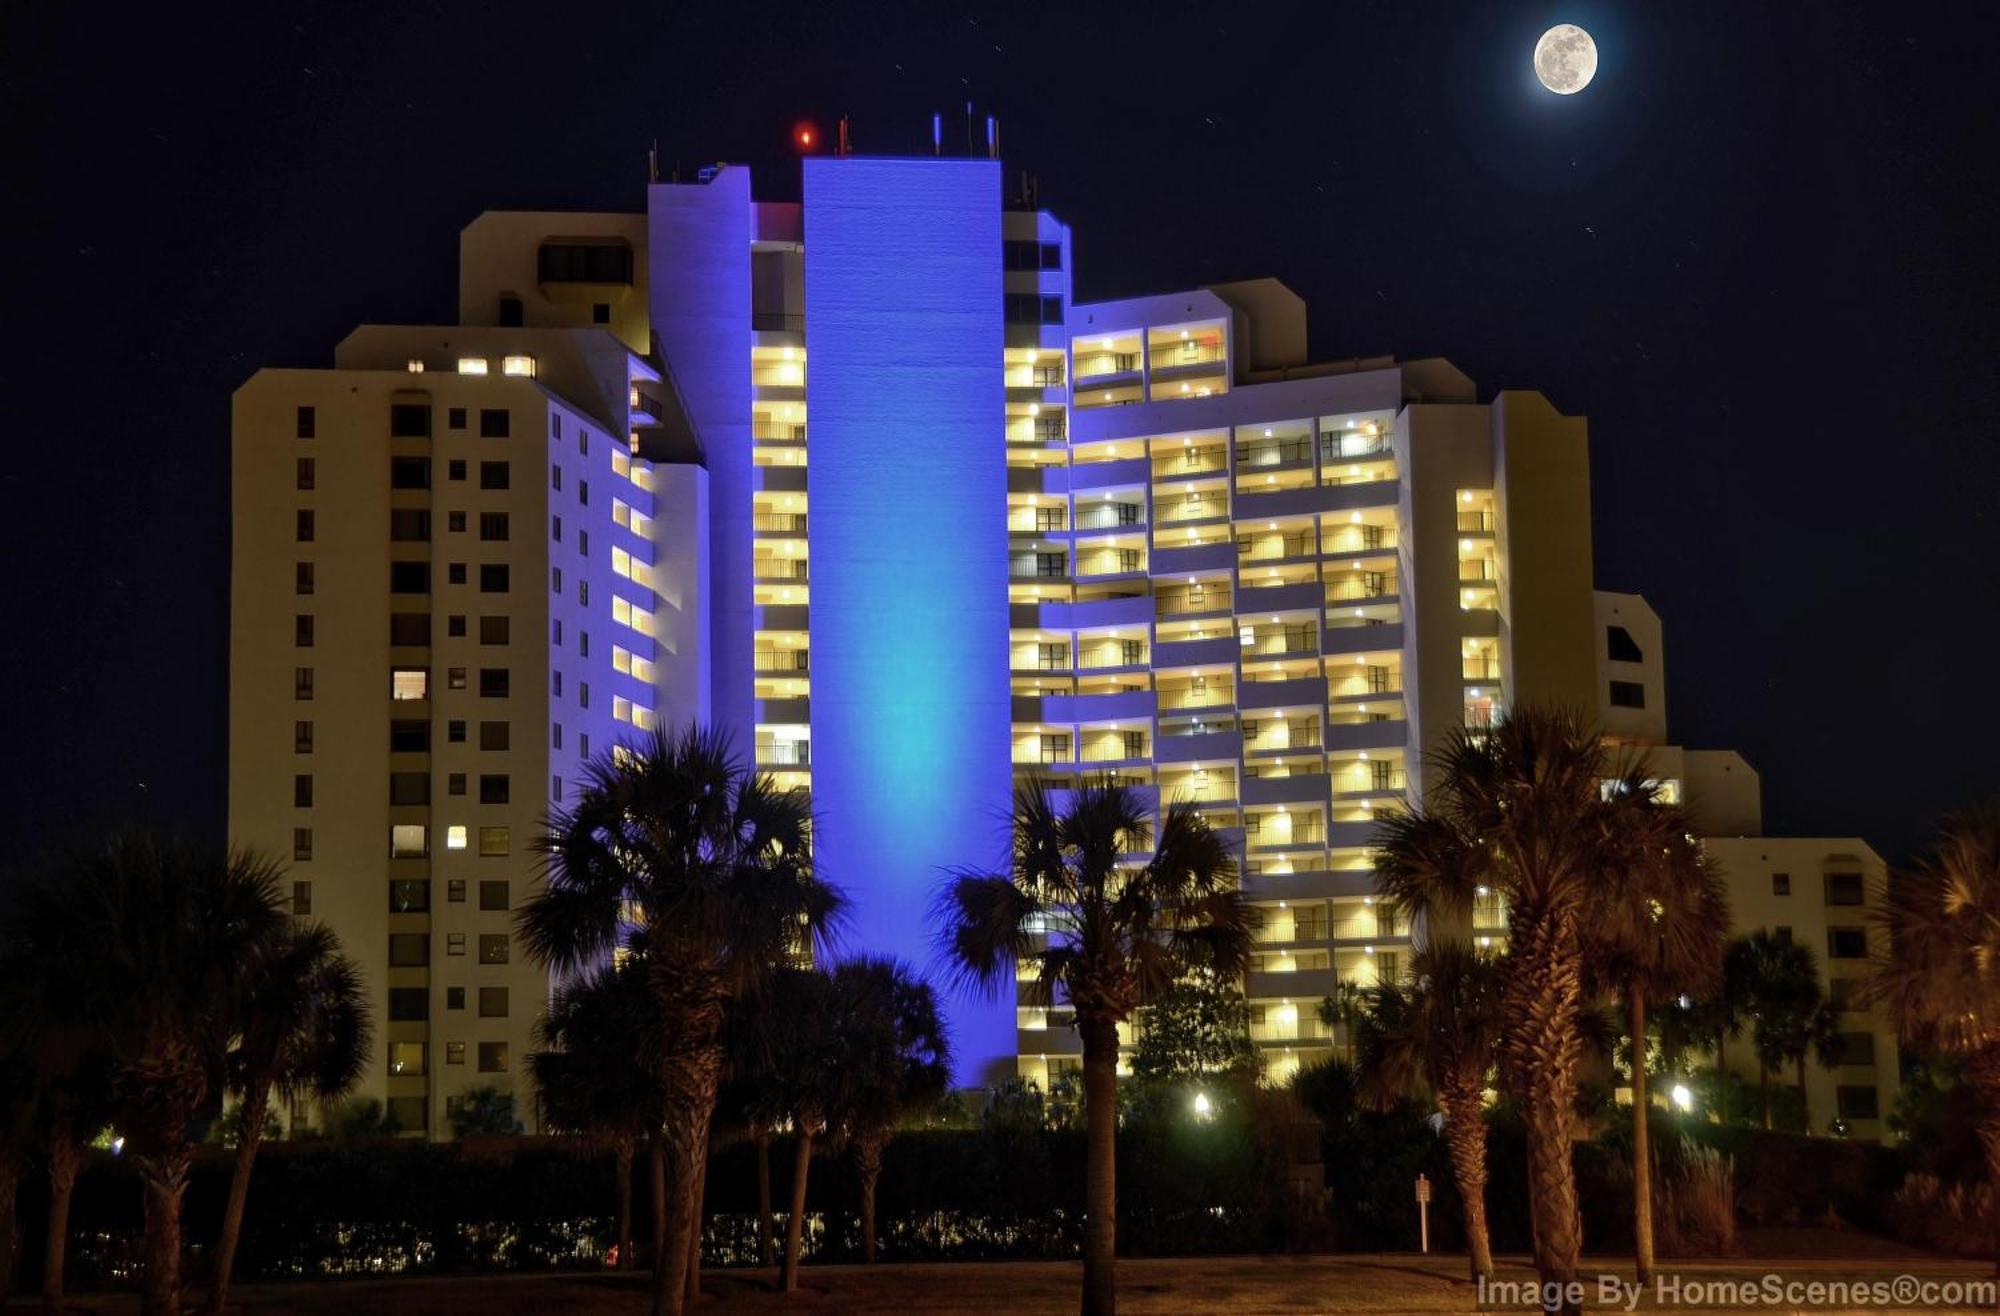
[583, 543]
[492, 948]
[409, 950]
[454, 731]
[409, 577]
[555, 478]
[1028, 254]
[302, 842]
[493, 895]
[308, 473]
[1620, 647]
[302, 630]
[583, 492]
[492, 1002]
[304, 525]
[409, 736]
[302, 898]
[1847, 943]
[308, 423]
[493, 578]
[492, 788]
[600, 312]
[409, 473]
[302, 578]
[494, 422]
[455, 468]
[454, 999]
[454, 573]
[409, 1004]
[1844, 889]
[1034, 308]
[1856, 1101]
[455, 418]
[302, 790]
[409, 788]
[454, 944]
[1781, 884]
[409, 525]
[1782, 934]
[1628, 694]
[411, 629]
[492, 525]
[302, 683]
[454, 522]
[409, 420]
[1840, 993]
[302, 737]
[493, 735]
[585, 262]
[454, 678]
[454, 783]
[493, 475]
[493, 683]
[454, 890]
[493, 630]
[492, 1057]
[510, 312]
[454, 625]
[409, 895]
[1855, 1049]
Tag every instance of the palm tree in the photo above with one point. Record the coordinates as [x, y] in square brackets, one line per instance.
[675, 850]
[1656, 937]
[304, 1032]
[1442, 1025]
[595, 1076]
[17, 1135]
[1521, 807]
[897, 1062]
[1940, 976]
[1107, 936]
[1345, 1009]
[796, 1081]
[1782, 993]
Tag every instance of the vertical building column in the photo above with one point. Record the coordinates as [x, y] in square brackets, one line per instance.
[910, 704]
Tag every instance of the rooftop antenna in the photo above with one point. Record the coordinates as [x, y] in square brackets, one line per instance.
[845, 148]
[968, 129]
[937, 134]
[992, 137]
[653, 162]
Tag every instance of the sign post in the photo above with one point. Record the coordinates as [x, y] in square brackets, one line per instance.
[1424, 1211]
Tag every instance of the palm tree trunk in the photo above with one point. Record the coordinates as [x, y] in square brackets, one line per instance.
[868, 1164]
[1805, 1102]
[1465, 1139]
[164, 1175]
[1764, 1091]
[788, 1278]
[624, 1159]
[1985, 1073]
[765, 1246]
[695, 1221]
[656, 1173]
[1542, 1002]
[1642, 1153]
[55, 1244]
[10, 1224]
[1721, 1078]
[690, 1090]
[1100, 1193]
[255, 1097]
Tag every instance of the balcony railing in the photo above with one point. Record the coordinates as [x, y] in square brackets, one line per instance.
[784, 753]
[1307, 1029]
[1262, 455]
[1350, 447]
[784, 660]
[1474, 570]
[1190, 461]
[777, 322]
[1214, 696]
[1109, 516]
[780, 570]
[780, 522]
[1181, 601]
[1188, 352]
[1099, 365]
[1367, 585]
[1473, 523]
[1261, 548]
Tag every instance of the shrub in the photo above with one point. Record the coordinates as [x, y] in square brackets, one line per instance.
[1697, 1204]
[1951, 1217]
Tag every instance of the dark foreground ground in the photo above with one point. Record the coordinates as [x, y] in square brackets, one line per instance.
[1235, 1286]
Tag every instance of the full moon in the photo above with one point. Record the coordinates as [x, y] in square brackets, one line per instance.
[1566, 59]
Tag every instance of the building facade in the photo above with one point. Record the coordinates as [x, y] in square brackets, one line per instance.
[874, 494]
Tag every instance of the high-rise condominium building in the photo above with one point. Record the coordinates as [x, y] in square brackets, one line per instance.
[858, 481]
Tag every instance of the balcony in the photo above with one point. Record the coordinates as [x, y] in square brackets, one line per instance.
[1363, 585]
[1362, 639]
[790, 662]
[1304, 692]
[1276, 547]
[1218, 652]
[1123, 706]
[1218, 693]
[1053, 1041]
[779, 523]
[1191, 462]
[780, 571]
[1121, 472]
[1386, 733]
[1299, 788]
[784, 753]
[1308, 986]
[1285, 596]
[1189, 602]
[1208, 747]
[1194, 561]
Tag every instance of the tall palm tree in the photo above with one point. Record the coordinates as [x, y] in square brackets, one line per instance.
[797, 1081]
[1940, 977]
[1655, 937]
[1442, 1025]
[1345, 1009]
[1104, 932]
[1522, 807]
[152, 945]
[676, 850]
[304, 1032]
[1781, 993]
[595, 1076]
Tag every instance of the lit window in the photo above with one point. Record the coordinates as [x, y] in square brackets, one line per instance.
[409, 683]
[415, 365]
[472, 365]
[517, 365]
[454, 837]
[406, 1057]
[409, 840]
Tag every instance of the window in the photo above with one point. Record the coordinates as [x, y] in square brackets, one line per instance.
[302, 898]
[307, 473]
[409, 577]
[492, 1057]
[454, 943]
[454, 522]
[1781, 884]
[493, 475]
[1034, 308]
[409, 525]
[555, 478]
[494, 841]
[410, 630]
[583, 543]
[302, 790]
[409, 420]
[308, 423]
[302, 737]
[302, 683]
[454, 626]
[492, 948]
[493, 788]
[409, 841]
[454, 1052]
[409, 683]
[1855, 1049]
[492, 525]
[1856, 1101]
[600, 312]
[1628, 694]
[409, 788]
[455, 470]
[583, 486]
[409, 736]
[302, 843]
[409, 950]
[406, 1057]
[454, 890]
[583, 694]
[494, 422]
[302, 577]
[304, 525]
[1847, 943]
[493, 630]
[493, 682]
[510, 312]
[583, 643]
[409, 895]
[493, 735]
[1027, 254]
[454, 678]
[493, 578]
[409, 473]
[1844, 889]
[1782, 934]
[492, 1002]
[493, 895]
[454, 418]
[455, 783]
[454, 999]
[408, 1005]
[455, 837]
[585, 262]
[1620, 647]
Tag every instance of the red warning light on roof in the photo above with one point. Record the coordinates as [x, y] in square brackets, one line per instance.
[805, 137]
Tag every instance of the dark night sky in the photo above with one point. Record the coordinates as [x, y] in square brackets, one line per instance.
[1758, 252]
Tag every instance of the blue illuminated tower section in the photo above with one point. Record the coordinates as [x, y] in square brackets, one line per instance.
[908, 479]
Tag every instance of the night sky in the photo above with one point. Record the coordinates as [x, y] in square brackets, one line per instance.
[1758, 252]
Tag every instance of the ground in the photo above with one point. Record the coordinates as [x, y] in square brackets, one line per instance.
[1228, 1286]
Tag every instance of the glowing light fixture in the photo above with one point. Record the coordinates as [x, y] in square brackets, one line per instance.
[472, 365]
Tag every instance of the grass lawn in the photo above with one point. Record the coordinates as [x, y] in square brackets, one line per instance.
[1236, 1286]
